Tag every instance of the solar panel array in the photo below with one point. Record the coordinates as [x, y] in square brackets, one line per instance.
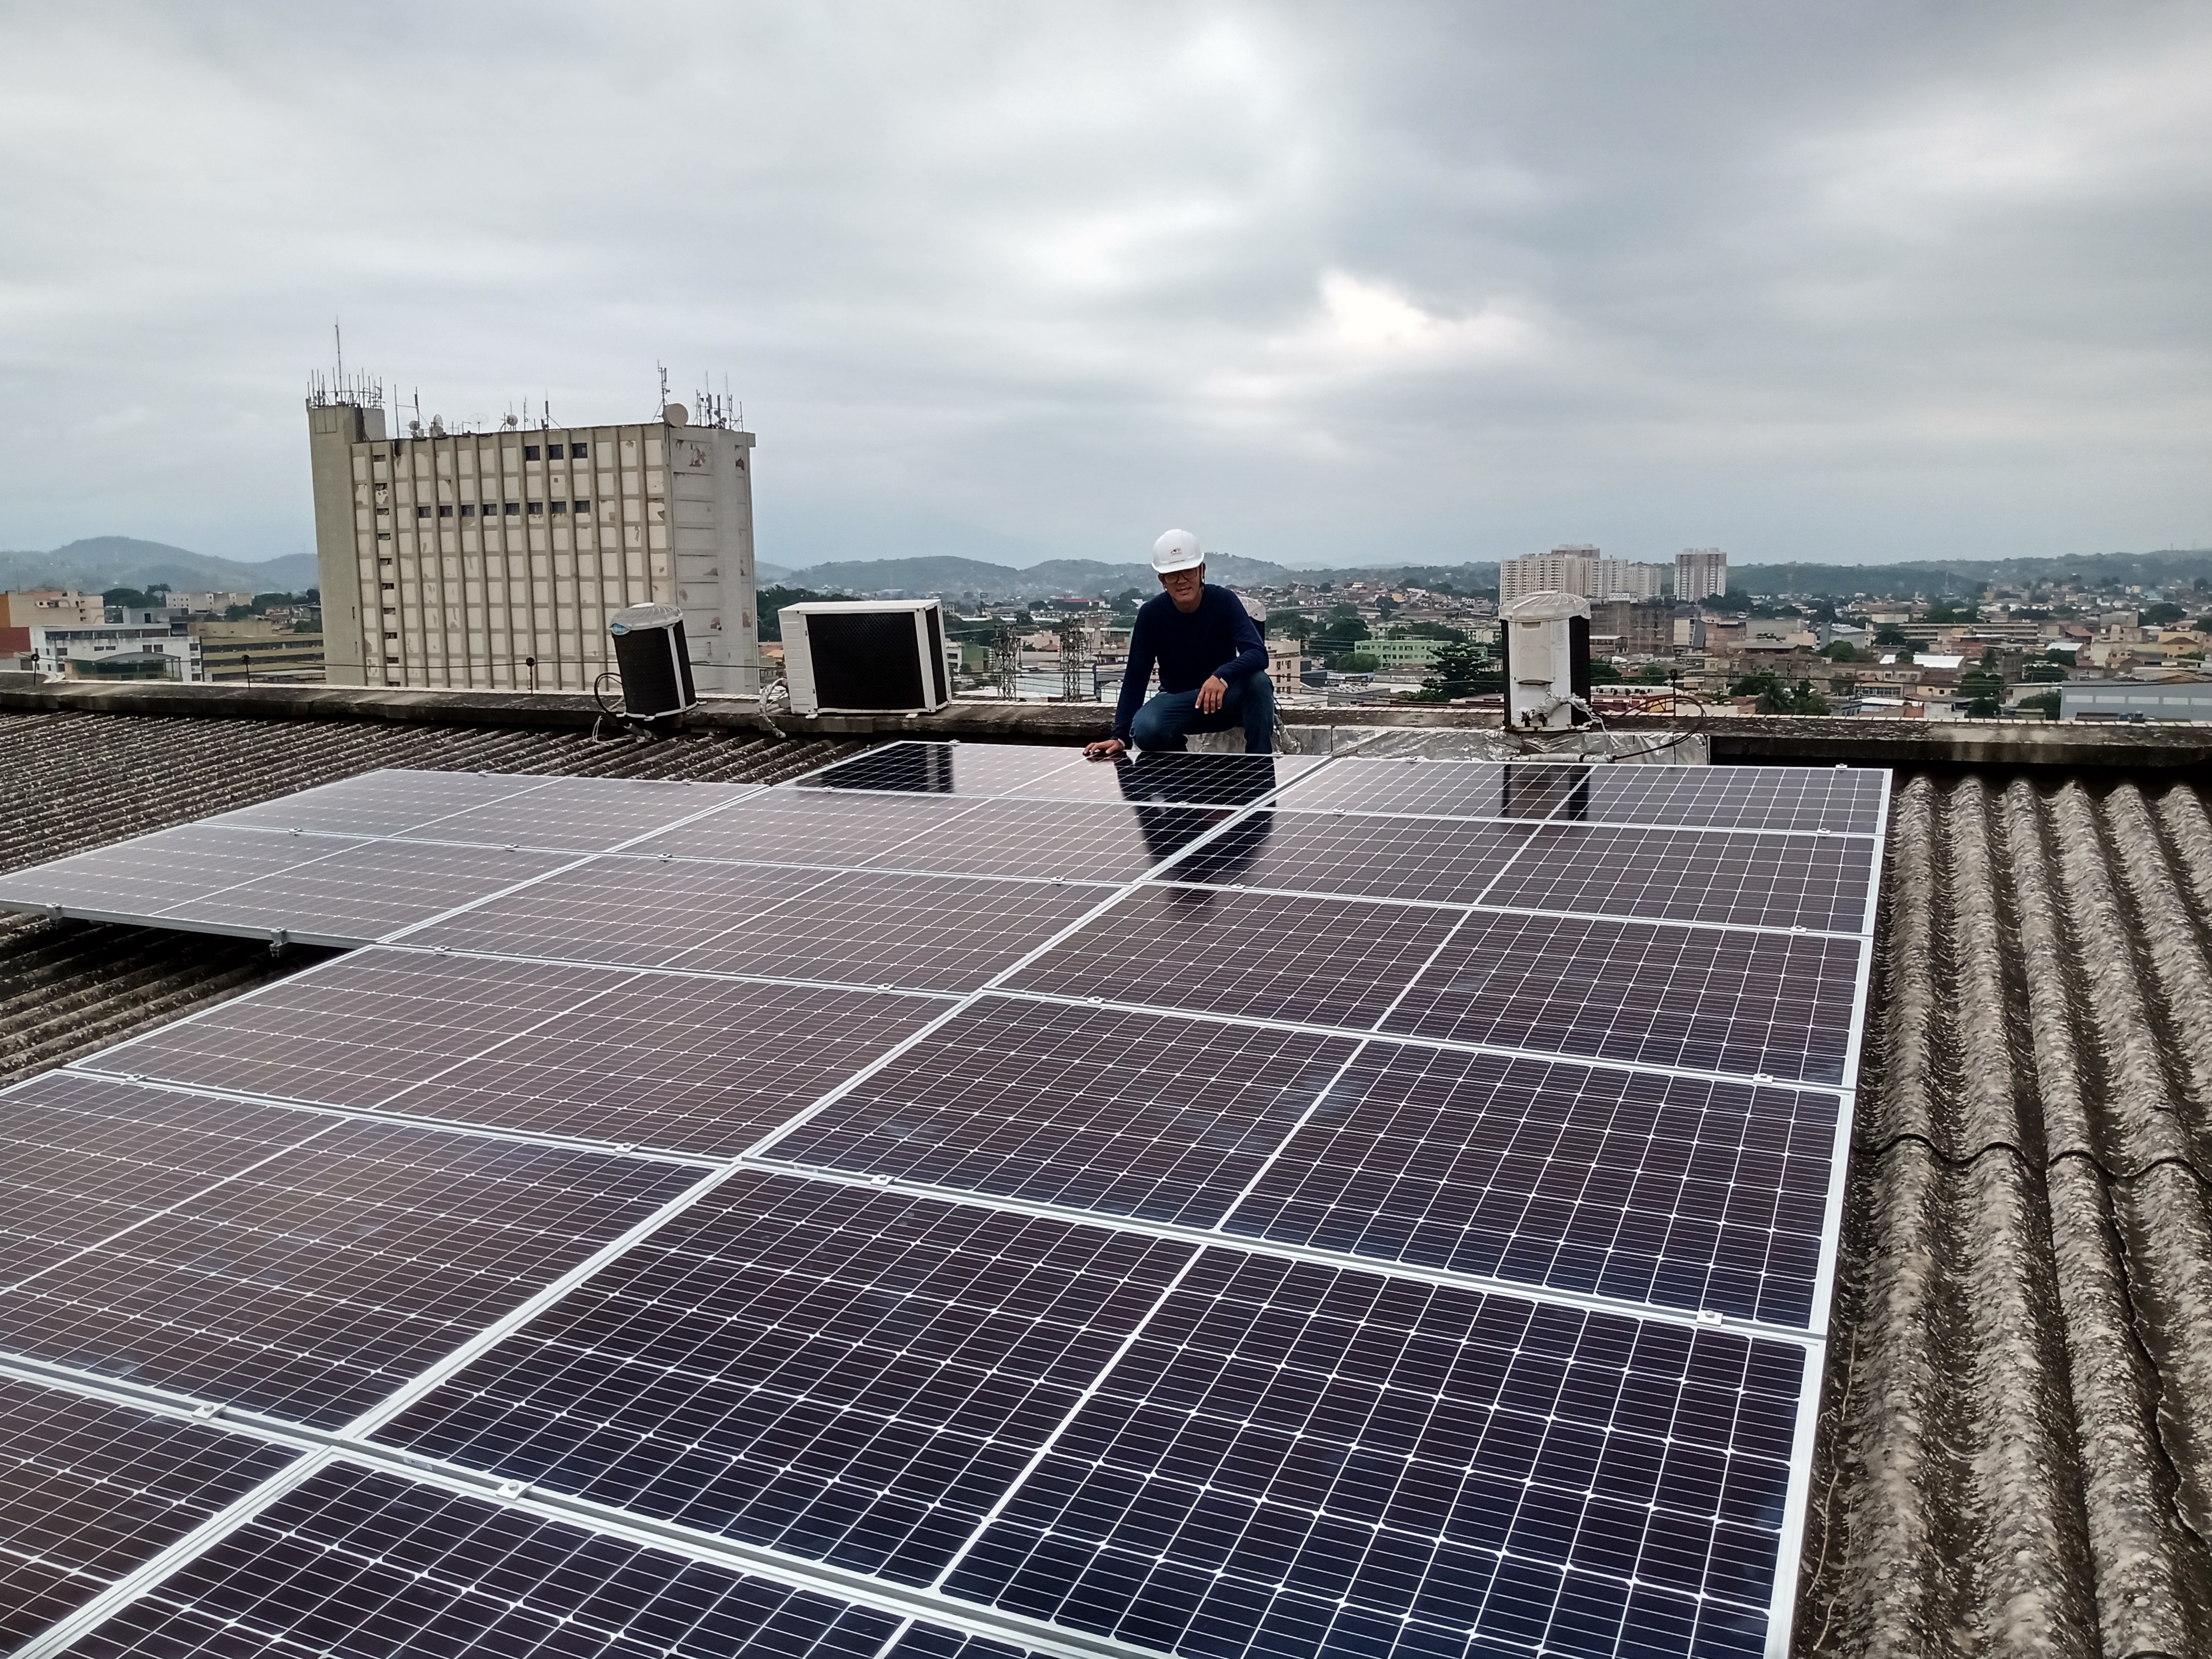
[967, 1200]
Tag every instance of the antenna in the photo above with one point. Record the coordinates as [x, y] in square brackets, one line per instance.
[338, 340]
[663, 367]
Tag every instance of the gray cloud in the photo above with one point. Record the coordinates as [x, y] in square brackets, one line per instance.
[1331, 284]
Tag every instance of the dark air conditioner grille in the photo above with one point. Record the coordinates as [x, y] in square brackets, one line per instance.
[936, 653]
[865, 660]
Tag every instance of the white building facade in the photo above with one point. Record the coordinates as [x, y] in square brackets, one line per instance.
[493, 559]
[1563, 570]
[139, 650]
[1628, 579]
[1578, 568]
[1699, 573]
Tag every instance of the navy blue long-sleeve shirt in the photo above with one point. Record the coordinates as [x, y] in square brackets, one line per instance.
[1218, 639]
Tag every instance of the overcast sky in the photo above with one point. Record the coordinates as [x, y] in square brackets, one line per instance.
[1328, 284]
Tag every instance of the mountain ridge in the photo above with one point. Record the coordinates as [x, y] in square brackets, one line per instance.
[96, 563]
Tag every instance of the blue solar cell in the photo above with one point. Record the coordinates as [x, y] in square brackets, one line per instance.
[844, 1375]
[1667, 1190]
[361, 1564]
[1296, 1460]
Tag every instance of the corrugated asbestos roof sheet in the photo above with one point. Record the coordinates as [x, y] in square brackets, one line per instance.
[2017, 1446]
[2017, 1452]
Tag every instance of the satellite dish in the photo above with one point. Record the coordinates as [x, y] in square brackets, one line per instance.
[677, 415]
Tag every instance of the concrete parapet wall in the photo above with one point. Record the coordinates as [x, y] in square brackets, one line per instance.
[1734, 738]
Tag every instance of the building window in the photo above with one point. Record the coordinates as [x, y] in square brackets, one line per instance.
[391, 637]
[537, 509]
[514, 508]
[467, 512]
[583, 506]
[445, 511]
[422, 512]
[530, 451]
[388, 587]
[560, 507]
[580, 452]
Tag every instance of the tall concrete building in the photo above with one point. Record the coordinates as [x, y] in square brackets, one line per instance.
[455, 558]
[1568, 570]
[1700, 572]
[1629, 579]
[1578, 568]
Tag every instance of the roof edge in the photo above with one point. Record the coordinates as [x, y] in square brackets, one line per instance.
[1830, 740]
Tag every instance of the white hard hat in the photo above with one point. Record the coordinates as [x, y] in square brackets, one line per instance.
[1177, 550]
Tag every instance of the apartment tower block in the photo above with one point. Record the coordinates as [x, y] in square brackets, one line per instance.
[454, 559]
[1578, 568]
[1699, 573]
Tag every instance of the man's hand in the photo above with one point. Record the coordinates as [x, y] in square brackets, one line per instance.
[1211, 694]
[1106, 749]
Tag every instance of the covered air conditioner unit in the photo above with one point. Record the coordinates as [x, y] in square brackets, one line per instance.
[865, 656]
[1545, 639]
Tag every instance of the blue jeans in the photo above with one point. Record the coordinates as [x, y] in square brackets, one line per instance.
[1168, 718]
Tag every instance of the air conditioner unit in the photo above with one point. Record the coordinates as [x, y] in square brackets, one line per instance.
[865, 656]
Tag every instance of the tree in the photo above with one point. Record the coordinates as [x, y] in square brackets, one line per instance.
[2040, 673]
[1891, 637]
[1776, 697]
[1458, 670]
[771, 600]
[2164, 615]
[1603, 672]
[1841, 651]
[1356, 662]
[1430, 631]
[127, 596]
[2046, 700]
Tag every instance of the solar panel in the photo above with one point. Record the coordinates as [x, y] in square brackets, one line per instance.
[1403, 1223]
[80, 1159]
[787, 826]
[312, 1283]
[639, 912]
[1326, 962]
[1839, 799]
[583, 815]
[1399, 858]
[91, 1490]
[1192, 779]
[357, 1563]
[1294, 1459]
[1745, 880]
[943, 769]
[1676, 1191]
[154, 874]
[349, 862]
[1705, 998]
[365, 890]
[918, 932]
[1070, 840]
[846, 1376]
[597, 1053]
[1125, 1114]
[384, 802]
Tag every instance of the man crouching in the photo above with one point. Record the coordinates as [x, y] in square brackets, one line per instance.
[1213, 663]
